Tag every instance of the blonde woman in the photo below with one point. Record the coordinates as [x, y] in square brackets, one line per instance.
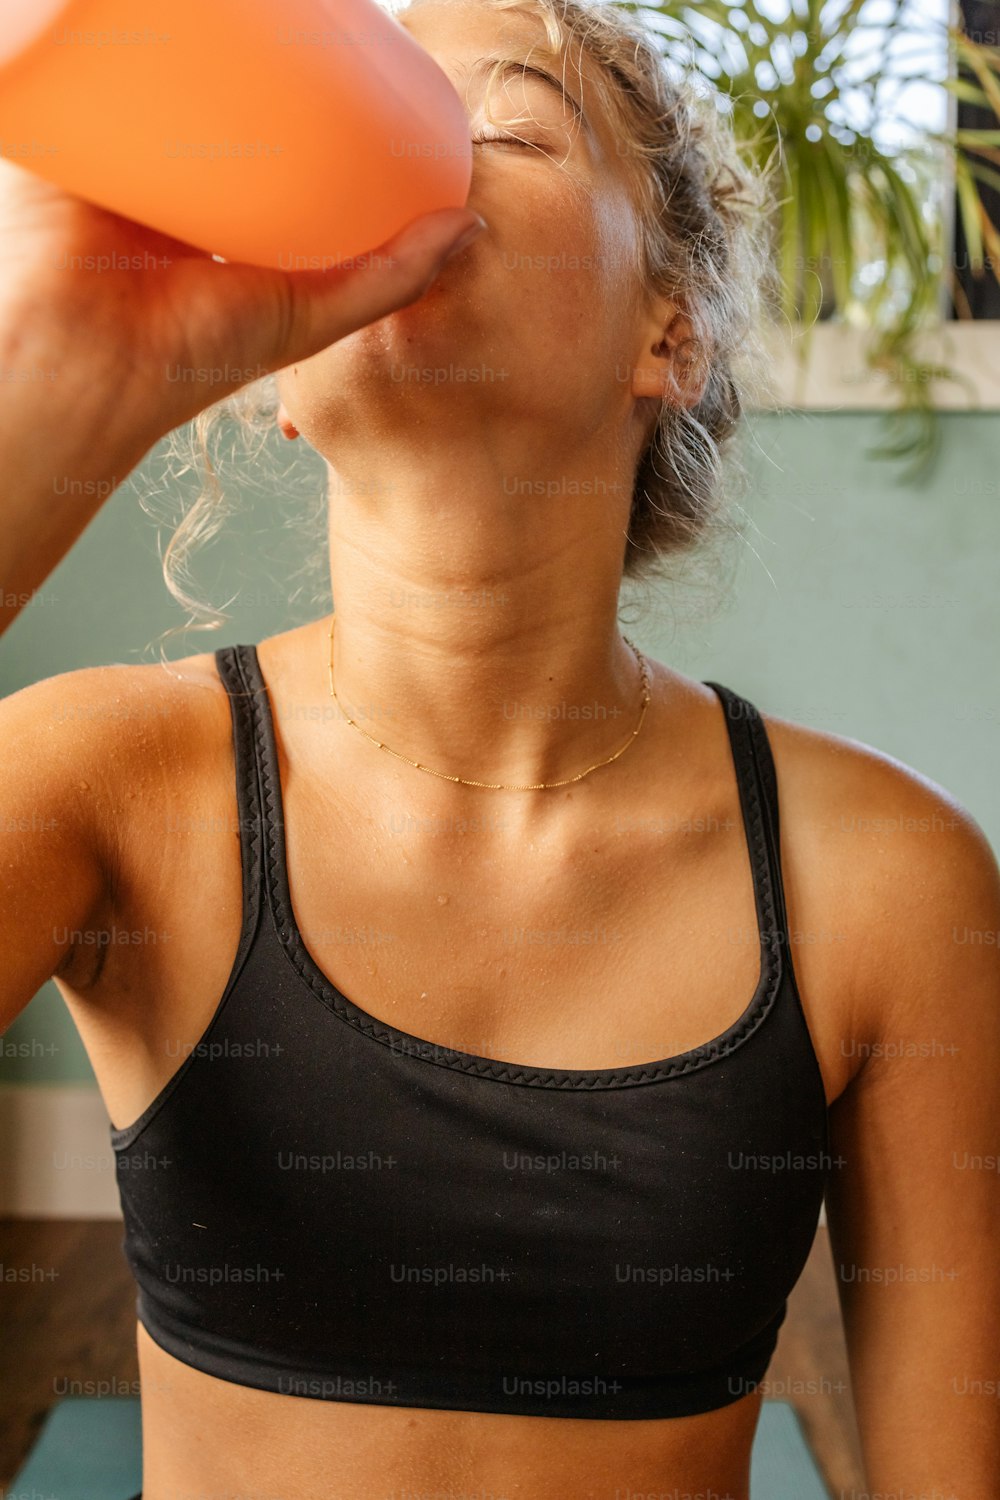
[486, 1203]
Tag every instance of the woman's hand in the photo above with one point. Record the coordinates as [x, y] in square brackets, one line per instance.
[112, 335]
[163, 327]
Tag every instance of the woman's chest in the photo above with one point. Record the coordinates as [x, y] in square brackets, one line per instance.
[633, 937]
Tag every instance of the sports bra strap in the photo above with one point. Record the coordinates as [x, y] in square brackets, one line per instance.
[758, 785]
[232, 667]
[765, 764]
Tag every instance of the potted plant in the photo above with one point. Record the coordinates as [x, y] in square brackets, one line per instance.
[860, 229]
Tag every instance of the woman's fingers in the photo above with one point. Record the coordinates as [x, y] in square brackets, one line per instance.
[296, 314]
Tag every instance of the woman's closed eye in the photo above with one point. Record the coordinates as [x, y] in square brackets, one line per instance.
[505, 140]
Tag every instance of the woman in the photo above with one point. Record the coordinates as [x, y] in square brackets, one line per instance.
[462, 1201]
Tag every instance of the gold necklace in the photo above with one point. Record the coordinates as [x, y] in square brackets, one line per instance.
[499, 786]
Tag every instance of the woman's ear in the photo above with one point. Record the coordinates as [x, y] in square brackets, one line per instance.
[285, 423]
[675, 365]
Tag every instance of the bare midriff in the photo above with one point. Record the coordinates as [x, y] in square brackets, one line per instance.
[209, 1439]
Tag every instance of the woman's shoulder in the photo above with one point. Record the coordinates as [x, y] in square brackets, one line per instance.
[89, 755]
[830, 775]
[882, 832]
[905, 871]
[862, 791]
[881, 862]
[104, 738]
[96, 707]
[129, 721]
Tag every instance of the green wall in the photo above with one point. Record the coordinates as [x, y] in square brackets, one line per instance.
[861, 605]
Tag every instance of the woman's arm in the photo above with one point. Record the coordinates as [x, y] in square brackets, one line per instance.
[60, 826]
[914, 1211]
[65, 445]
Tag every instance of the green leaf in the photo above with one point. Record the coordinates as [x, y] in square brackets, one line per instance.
[968, 200]
[972, 55]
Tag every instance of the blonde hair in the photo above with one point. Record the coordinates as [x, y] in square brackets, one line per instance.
[701, 204]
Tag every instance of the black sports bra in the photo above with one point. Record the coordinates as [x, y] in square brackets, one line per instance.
[319, 1204]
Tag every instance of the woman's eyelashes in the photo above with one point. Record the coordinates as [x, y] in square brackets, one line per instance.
[505, 140]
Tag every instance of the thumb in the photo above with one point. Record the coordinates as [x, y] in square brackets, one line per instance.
[422, 246]
[319, 307]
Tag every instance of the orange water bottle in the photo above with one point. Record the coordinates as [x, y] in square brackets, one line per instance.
[295, 134]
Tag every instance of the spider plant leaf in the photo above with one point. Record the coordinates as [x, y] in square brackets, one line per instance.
[986, 174]
[900, 212]
[790, 209]
[992, 237]
[990, 85]
[964, 90]
[834, 186]
[813, 235]
[969, 205]
[870, 211]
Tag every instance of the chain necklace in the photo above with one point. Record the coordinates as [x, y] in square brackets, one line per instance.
[499, 786]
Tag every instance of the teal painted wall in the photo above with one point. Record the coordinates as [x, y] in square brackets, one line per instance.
[858, 604]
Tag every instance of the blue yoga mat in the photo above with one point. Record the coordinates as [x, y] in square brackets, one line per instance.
[782, 1466]
[91, 1449]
